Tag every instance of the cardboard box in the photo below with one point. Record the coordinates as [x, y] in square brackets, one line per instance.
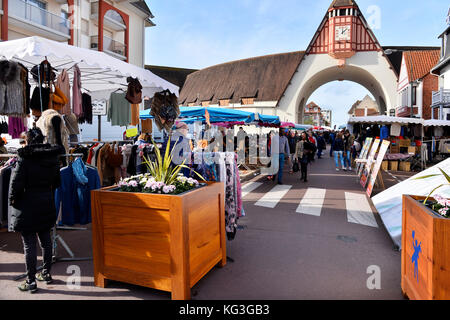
[385, 165]
[404, 143]
[412, 150]
[405, 166]
[395, 149]
[393, 165]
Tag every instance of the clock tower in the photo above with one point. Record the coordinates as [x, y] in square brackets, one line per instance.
[343, 32]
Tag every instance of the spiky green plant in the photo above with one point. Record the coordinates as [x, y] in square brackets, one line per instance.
[161, 169]
[447, 177]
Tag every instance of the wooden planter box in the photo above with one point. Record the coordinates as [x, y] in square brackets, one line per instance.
[393, 165]
[431, 279]
[165, 242]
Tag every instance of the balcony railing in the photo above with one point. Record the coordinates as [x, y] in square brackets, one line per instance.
[109, 45]
[27, 11]
[441, 98]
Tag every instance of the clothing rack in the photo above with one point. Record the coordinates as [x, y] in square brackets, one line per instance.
[93, 142]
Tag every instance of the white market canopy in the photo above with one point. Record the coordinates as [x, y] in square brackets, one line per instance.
[385, 120]
[100, 73]
[436, 123]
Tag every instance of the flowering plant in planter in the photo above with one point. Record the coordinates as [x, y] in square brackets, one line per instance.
[162, 177]
[440, 205]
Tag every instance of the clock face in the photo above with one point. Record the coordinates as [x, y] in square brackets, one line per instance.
[342, 33]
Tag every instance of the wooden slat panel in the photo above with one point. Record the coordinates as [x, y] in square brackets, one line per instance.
[139, 265]
[147, 280]
[135, 200]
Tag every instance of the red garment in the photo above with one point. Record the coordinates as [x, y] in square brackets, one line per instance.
[312, 140]
[91, 153]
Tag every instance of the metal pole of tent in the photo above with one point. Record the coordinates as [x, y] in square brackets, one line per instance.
[99, 127]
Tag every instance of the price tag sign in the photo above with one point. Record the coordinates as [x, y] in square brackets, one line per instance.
[99, 108]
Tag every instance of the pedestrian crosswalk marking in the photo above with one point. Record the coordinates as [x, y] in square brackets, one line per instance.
[312, 202]
[271, 198]
[249, 187]
[359, 210]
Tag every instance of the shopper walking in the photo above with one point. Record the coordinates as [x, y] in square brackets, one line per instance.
[33, 183]
[302, 150]
[338, 149]
[332, 138]
[292, 139]
[321, 145]
[284, 154]
[349, 139]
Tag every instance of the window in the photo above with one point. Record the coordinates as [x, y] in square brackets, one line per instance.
[205, 103]
[37, 3]
[248, 101]
[224, 102]
[414, 96]
[192, 104]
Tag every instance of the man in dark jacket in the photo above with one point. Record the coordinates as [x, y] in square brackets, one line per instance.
[321, 145]
[33, 183]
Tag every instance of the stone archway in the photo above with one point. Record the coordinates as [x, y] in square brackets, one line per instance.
[348, 73]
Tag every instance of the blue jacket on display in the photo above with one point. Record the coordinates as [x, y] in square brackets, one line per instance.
[77, 181]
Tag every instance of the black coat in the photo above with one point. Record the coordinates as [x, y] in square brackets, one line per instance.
[33, 182]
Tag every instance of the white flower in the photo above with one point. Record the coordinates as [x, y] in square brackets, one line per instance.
[133, 184]
[168, 189]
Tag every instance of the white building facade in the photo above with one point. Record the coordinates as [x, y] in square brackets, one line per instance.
[115, 27]
[441, 98]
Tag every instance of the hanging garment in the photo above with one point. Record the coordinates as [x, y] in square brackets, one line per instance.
[40, 100]
[438, 132]
[134, 92]
[26, 89]
[87, 109]
[76, 92]
[16, 126]
[165, 109]
[4, 127]
[230, 201]
[73, 197]
[54, 129]
[119, 111]
[71, 123]
[396, 130]
[11, 89]
[384, 132]
[63, 83]
[147, 126]
[134, 115]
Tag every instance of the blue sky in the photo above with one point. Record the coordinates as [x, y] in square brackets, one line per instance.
[200, 33]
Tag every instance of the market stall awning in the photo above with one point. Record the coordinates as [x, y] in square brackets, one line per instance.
[303, 127]
[436, 123]
[100, 72]
[215, 114]
[287, 125]
[268, 120]
[384, 120]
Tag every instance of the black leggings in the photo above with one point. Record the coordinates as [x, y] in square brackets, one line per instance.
[304, 169]
[29, 246]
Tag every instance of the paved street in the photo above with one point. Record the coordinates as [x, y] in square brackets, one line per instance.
[298, 240]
